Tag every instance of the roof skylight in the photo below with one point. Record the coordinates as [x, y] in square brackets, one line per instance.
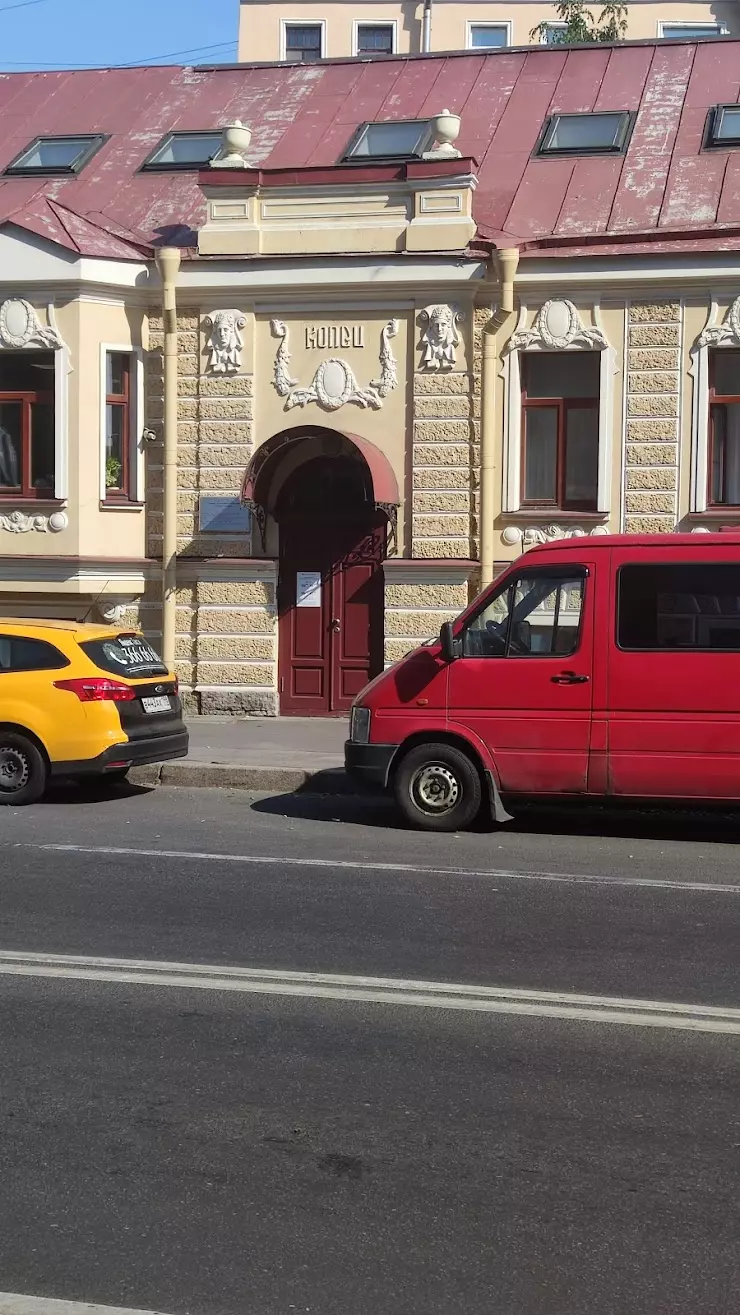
[56, 155]
[723, 126]
[586, 134]
[395, 140]
[185, 150]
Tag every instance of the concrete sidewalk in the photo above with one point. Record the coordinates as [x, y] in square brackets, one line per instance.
[260, 753]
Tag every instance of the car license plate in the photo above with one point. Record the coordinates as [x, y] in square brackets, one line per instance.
[156, 705]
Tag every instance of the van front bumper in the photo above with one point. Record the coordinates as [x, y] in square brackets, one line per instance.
[134, 753]
[369, 764]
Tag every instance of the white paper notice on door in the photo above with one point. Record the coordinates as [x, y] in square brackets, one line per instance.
[308, 589]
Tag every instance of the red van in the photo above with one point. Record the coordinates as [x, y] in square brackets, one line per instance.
[603, 667]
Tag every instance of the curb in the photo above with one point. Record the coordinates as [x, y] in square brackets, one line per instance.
[232, 776]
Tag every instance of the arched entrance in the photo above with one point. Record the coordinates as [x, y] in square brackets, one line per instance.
[321, 492]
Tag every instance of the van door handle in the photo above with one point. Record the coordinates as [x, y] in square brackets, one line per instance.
[569, 678]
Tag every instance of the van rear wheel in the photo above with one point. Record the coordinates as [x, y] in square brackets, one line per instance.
[438, 788]
[23, 770]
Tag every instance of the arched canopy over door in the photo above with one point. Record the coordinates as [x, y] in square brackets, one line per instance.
[261, 471]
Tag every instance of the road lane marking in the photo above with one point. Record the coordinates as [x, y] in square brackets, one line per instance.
[12, 1303]
[374, 990]
[408, 869]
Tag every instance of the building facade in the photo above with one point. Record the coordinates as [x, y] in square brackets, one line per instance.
[392, 373]
[269, 30]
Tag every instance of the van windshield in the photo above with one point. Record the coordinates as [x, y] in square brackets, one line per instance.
[125, 655]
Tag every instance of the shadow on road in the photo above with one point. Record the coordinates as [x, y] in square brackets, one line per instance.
[710, 825]
[92, 792]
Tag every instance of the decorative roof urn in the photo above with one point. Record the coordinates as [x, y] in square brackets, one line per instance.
[446, 129]
[235, 142]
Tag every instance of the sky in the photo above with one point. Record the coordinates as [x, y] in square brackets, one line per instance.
[37, 34]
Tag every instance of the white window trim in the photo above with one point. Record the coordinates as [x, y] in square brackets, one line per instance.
[714, 336]
[721, 28]
[541, 339]
[285, 23]
[505, 23]
[357, 23]
[554, 22]
[62, 371]
[136, 411]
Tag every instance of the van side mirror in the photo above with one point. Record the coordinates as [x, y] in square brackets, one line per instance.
[451, 647]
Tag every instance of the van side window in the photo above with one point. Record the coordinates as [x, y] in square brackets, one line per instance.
[18, 654]
[679, 607]
[536, 615]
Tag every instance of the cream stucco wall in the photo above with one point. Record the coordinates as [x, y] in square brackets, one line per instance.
[261, 23]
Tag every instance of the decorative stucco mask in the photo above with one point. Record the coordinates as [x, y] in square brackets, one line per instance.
[440, 337]
[225, 342]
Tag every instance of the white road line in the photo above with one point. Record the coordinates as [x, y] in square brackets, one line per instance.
[408, 869]
[11, 1303]
[374, 990]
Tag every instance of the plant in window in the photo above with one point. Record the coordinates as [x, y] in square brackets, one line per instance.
[579, 25]
[113, 469]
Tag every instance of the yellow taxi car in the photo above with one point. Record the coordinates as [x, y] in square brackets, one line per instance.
[81, 700]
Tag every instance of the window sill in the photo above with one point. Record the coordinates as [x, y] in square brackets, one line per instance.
[120, 504]
[24, 501]
[550, 513]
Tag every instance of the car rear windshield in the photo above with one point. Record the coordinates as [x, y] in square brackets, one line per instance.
[125, 655]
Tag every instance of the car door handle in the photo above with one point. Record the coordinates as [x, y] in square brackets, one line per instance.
[569, 678]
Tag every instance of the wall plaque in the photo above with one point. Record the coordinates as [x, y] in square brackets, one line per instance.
[223, 515]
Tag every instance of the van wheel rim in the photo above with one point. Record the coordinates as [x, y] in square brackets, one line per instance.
[14, 770]
[435, 788]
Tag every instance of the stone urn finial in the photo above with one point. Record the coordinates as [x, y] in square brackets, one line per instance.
[446, 129]
[235, 142]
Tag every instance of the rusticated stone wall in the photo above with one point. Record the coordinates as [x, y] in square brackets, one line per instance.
[444, 464]
[653, 417]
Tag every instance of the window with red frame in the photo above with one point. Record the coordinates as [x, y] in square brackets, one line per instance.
[724, 428]
[118, 464]
[560, 430]
[27, 437]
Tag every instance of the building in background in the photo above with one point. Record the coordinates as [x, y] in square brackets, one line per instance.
[272, 30]
[430, 311]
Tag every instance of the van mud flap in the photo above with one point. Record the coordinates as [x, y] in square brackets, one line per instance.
[497, 808]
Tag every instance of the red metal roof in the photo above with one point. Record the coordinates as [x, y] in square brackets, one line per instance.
[664, 195]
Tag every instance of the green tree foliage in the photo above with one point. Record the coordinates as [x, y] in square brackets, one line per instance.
[580, 25]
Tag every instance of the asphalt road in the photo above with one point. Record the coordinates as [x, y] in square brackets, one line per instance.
[215, 1152]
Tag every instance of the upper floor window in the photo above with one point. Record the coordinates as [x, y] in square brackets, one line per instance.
[119, 457]
[586, 134]
[375, 39]
[724, 428]
[184, 150]
[27, 433]
[553, 34]
[691, 31]
[303, 42]
[488, 36]
[723, 126]
[560, 429]
[56, 155]
[396, 139]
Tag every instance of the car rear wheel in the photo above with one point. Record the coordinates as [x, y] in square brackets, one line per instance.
[23, 770]
[438, 788]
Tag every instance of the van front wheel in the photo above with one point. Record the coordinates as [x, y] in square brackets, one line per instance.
[438, 788]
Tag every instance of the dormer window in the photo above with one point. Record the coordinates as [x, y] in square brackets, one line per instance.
[179, 151]
[395, 140]
[56, 155]
[586, 134]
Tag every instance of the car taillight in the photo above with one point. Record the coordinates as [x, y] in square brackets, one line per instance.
[95, 689]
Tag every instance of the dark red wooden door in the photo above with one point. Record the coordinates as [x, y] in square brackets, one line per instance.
[331, 613]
